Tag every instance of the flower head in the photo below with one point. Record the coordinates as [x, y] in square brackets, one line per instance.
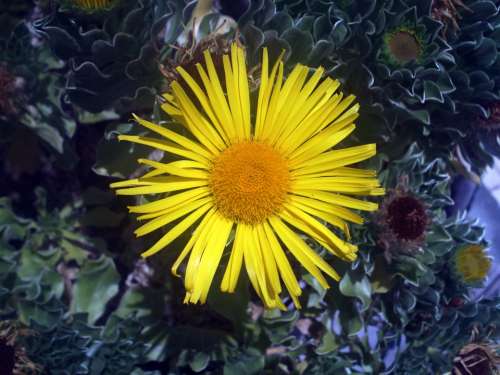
[403, 222]
[477, 358]
[447, 12]
[93, 5]
[406, 217]
[189, 57]
[402, 45]
[472, 263]
[267, 178]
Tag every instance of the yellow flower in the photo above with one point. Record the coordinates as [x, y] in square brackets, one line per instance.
[472, 263]
[94, 4]
[269, 181]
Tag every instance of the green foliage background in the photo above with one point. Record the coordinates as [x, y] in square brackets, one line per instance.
[69, 266]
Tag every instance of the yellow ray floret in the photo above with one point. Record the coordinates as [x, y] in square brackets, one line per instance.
[472, 263]
[94, 4]
[267, 179]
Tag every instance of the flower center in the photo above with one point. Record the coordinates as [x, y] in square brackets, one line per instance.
[407, 218]
[404, 47]
[249, 181]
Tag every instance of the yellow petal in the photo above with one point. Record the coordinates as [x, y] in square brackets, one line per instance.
[345, 250]
[177, 230]
[334, 159]
[326, 208]
[311, 232]
[172, 184]
[232, 96]
[320, 107]
[266, 253]
[197, 252]
[337, 185]
[321, 142]
[230, 278]
[127, 183]
[217, 97]
[175, 168]
[205, 102]
[244, 93]
[289, 96]
[167, 146]
[262, 100]
[271, 108]
[338, 199]
[255, 268]
[304, 254]
[173, 136]
[171, 110]
[171, 215]
[324, 214]
[194, 238]
[199, 126]
[170, 201]
[299, 117]
[284, 267]
[266, 87]
[210, 259]
[285, 101]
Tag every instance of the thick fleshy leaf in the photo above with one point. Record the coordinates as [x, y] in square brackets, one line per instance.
[96, 283]
[357, 286]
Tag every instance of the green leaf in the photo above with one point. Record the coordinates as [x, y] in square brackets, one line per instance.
[232, 306]
[407, 300]
[141, 302]
[45, 314]
[157, 338]
[302, 44]
[432, 92]
[50, 135]
[328, 344]
[38, 276]
[351, 321]
[357, 286]
[278, 324]
[410, 269]
[85, 117]
[199, 362]
[119, 159]
[65, 45]
[382, 280]
[95, 285]
[314, 298]
[438, 234]
[249, 362]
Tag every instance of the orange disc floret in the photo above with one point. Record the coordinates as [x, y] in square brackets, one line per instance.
[249, 181]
